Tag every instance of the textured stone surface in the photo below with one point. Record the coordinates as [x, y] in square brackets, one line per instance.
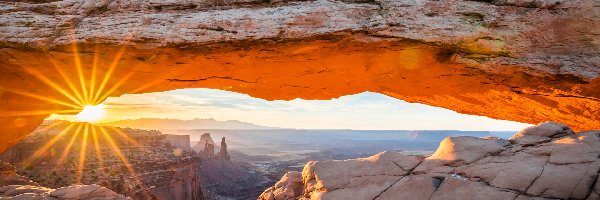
[289, 187]
[565, 168]
[16, 187]
[29, 192]
[525, 60]
[466, 149]
[540, 133]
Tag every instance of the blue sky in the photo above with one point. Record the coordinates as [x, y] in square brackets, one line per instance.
[361, 111]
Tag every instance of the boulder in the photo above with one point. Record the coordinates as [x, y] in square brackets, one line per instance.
[541, 133]
[14, 190]
[467, 149]
[94, 192]
[365, 177]
[9, 176]
[289, 187]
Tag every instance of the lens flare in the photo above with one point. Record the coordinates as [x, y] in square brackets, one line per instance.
[91, 113]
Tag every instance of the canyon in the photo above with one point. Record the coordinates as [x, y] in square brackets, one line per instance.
[135, 163]
[521, 60]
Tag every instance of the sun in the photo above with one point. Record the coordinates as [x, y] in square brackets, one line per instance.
[91, 113]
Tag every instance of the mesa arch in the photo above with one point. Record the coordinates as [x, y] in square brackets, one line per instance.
[524, 60]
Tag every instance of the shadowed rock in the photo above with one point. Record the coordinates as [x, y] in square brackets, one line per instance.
[223, 155]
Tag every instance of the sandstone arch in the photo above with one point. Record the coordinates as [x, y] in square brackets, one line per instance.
[527, 61]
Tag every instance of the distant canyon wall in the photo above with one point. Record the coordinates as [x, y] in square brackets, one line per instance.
[156, 167]
[524, 60]
[181, 142]
[175, 181]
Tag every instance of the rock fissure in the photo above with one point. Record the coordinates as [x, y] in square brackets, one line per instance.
[384, 190]
[91, 192]
[211, 77]
[592, 191]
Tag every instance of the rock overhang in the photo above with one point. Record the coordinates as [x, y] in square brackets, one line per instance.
[522, 63]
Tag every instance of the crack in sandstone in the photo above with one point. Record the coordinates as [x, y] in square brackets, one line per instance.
[538, 176]
[90, 194]
[210, 77]
[384, 190]
[407, 172]
[593, 186]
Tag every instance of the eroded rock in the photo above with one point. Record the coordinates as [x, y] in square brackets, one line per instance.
[541, 133]
[527, 61]
[289, 187]
[565, 167]
[467, 149]
[357, 178]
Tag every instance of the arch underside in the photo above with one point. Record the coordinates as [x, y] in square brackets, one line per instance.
[522, 63]
[308, 69]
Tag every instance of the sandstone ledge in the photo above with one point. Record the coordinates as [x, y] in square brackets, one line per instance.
[564, 167]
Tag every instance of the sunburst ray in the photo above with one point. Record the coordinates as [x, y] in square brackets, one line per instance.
[66, 78]
[41, 97]
[78, 66]
[40, 76]
[47, 146]
[82, 153]
[99, 157]
[120, 155]
[67, 149]
[116, 86]
[127, 137]
[93, 75]
[37, 112]
[108, 73]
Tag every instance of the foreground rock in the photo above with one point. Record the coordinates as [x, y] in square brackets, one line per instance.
[14, 186]
[520, 60]
[28, 192]
[563, 165]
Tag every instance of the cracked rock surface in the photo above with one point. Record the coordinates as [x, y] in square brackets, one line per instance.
[564, 167]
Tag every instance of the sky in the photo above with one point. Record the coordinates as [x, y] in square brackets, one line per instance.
[364, 111]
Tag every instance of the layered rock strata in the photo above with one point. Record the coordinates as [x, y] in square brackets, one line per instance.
[150, 166]
[522, 60]
[547, 161]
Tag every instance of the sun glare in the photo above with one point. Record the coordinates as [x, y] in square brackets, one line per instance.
[91, 113]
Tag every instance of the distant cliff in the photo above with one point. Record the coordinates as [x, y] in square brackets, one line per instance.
[135, 163]
[178, 141]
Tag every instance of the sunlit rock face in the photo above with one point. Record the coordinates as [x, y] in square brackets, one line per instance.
[565, 166]
[527, 61]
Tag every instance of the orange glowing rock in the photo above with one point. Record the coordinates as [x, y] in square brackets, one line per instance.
[310, 50]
